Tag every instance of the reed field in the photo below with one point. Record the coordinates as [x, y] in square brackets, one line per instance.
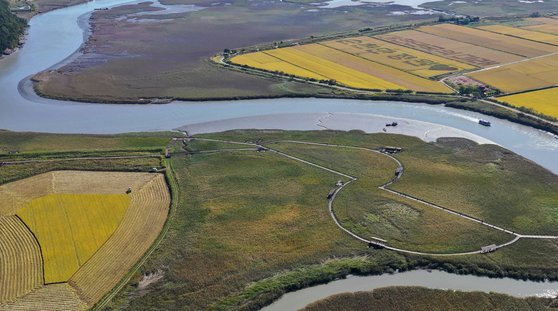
[369, 211]
[543, 101]
[517, 77]
[495, 41]
[460, 51]
[71, 227]
[522, 33]
[253, 225]
[405, 59]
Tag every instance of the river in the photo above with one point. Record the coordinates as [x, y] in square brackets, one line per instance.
[435, 279]
[56, 35]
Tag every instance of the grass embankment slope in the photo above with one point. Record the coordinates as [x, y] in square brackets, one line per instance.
[422, 299]
[250, 226]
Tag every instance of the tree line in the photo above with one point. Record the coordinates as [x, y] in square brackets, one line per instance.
[11, 27]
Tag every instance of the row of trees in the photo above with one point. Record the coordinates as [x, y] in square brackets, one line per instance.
[11, 27]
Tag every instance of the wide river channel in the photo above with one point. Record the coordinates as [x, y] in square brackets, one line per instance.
[55, 36]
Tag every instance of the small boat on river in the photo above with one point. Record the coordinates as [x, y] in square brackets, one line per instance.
[484, 122]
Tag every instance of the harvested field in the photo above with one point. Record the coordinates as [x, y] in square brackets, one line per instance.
[499, 42]
[464, 52]
[52, 297]
[522, 33]
[104, 231]
[140, 227]
[346, 69]
[543, 101]
[402, 58]
[21, 265]
[532, 74]
[543, 24]
[18, 194]
[71, 228]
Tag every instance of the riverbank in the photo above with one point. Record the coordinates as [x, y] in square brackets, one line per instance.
[422, 299]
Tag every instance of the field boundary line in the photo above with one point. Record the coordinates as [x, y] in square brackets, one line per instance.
[38, 244]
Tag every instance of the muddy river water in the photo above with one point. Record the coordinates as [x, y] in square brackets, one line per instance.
[56, 35]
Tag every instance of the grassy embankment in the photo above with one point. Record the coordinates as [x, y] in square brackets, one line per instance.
[251, 226]
[422, 299]
[91, 152]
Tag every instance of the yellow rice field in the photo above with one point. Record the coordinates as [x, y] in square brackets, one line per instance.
[268, 62]
[21, 266]
[531, 74]
[522, 33]
[71, 228]
[543, 101]
[408, 60]
[490, 40]
[321, 62]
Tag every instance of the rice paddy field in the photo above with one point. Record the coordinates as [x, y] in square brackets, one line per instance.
[460, 51]
[522, 76]
[509, 58]
[543, 24]
[71, 227]
[543, 101]
[495, 41]
[399, 57]
[59, 224]
[362, 63]
[522, 33]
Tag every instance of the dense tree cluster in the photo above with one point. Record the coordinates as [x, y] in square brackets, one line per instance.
[11, 27]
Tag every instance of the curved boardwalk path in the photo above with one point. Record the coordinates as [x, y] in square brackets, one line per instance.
[376, 240]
